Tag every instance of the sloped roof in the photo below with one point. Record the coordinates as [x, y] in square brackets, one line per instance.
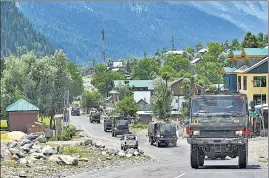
[229, 69]
[256, 51]
[22, 105]
[242, 69]
[256, 65]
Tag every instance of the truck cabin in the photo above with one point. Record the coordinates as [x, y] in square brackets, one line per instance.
[165, 128]
[229, 108]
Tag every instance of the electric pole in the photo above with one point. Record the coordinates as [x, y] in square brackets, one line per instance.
[173, 44]
[103, 47]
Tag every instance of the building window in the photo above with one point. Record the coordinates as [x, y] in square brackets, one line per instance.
[239, 81]
[245, 83]
[259, 81]
[257, 99]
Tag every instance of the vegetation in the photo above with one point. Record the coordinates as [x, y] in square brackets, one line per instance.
[91, 100]
[40, 80]
[19, 35]
[127, 106]
[161, 99]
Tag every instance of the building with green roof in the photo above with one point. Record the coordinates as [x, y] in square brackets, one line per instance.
[21, 113]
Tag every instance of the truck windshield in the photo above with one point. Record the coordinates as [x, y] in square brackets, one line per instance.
[122, 122]
[168, 127]
[219, 106]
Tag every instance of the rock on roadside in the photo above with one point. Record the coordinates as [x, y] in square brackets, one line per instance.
[65, 159]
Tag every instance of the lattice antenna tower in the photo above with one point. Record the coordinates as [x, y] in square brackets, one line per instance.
[103, 47]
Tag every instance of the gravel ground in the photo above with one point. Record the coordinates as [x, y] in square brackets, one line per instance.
[258, 150]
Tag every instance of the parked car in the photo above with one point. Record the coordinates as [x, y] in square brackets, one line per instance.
[95, 117]
[129, 141]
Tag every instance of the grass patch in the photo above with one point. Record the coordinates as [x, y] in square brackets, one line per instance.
[75, 150]
[10, 163]
[46, 120]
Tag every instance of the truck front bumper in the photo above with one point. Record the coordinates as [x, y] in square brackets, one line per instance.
[167, 140]
[202, 141]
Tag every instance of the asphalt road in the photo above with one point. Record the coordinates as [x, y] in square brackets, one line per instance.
[172, 162]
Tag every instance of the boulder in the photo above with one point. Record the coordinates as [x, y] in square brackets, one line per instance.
[141, 152]
[38, 155]
[121, 154]
[111, 152]
[27, 147]
[15, 157]
[128, 155]
[99, 146]
[5, 152]
[103, 152]
[87, 142]
[23, 161]
[136, 153]
[83, 159]
[41, 139]
[14, 144]
[131, 151]
[66, 159]
[24, 141]
[48, 150]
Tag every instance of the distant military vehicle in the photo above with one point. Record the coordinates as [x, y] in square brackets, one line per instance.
[120, 126]
[219, 127]
[107, 124]
[75, 111]
[162, 133]
[129, 141]
[95, 116]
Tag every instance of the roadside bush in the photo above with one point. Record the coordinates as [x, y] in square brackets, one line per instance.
[68, 133]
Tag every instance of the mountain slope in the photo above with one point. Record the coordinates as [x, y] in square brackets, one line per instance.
[130, 27]
[16, 31]
[247, 15]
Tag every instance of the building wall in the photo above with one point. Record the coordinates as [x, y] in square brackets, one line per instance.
[143, 106]
[230, 81]
[175, 105]
[176, 88]
[253, 90]
[19, 120]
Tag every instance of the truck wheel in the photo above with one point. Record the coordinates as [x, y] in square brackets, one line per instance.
[90, 121]
[194, 158]
[243, 156]
[201, 159]
[113, 134]
[158, 144]
[174, 143]
[150, 141]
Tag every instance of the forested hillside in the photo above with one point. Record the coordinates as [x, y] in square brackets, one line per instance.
[18, 35]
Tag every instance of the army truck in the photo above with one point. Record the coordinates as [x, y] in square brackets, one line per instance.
[218, 127]
[120, 126]
[95, 116]
[162, 133]
[107, 124]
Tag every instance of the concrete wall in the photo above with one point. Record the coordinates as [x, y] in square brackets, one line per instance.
[19, 120]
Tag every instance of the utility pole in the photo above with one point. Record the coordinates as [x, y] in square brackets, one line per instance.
[173, 44]
[103, 47]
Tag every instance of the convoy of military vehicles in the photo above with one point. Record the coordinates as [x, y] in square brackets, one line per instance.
[218, 127]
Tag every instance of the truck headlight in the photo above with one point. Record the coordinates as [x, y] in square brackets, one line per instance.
[196, 132]
[239, 133]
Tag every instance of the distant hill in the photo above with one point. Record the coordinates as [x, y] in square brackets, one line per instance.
[17, 31]
[131, 28]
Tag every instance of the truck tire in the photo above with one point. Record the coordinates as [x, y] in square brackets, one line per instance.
[113, 135]
[243, 156]
[194, 157]
[174, 143]
[201, 159]
[150, 141]
[158, 144]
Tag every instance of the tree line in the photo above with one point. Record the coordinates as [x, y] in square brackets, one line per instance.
[42, 81]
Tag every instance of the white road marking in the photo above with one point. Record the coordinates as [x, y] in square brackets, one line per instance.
[180, 175]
